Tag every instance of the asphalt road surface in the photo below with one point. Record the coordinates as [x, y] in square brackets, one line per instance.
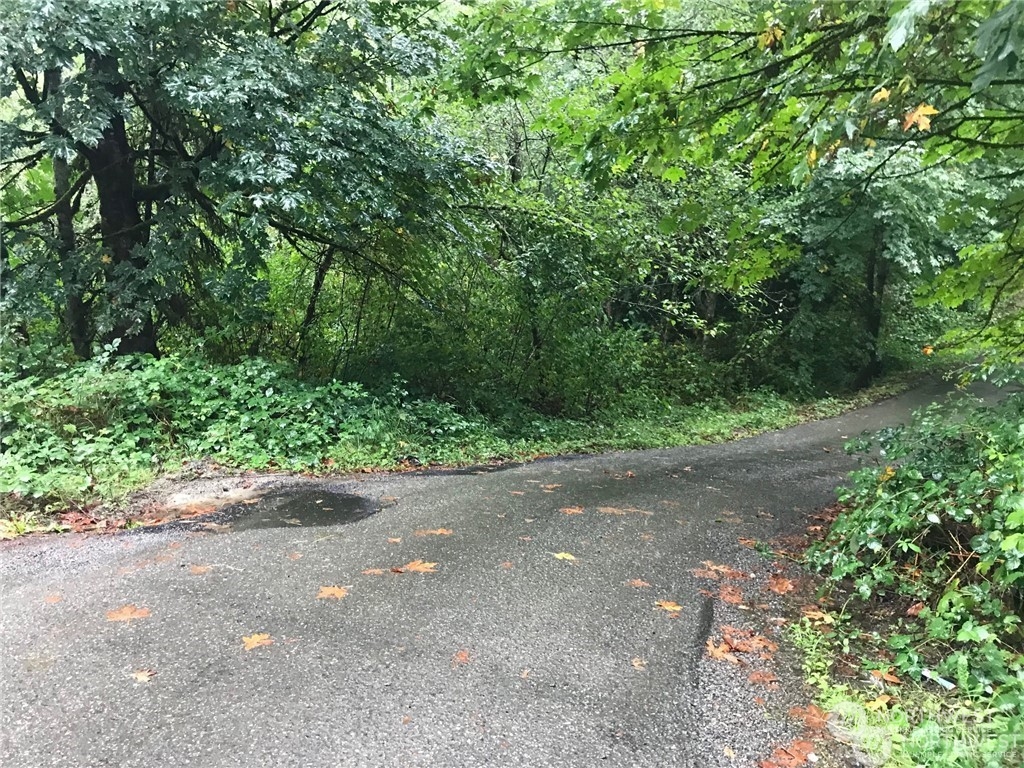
[508, 653]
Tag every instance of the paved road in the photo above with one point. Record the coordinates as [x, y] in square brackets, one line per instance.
[505, 655]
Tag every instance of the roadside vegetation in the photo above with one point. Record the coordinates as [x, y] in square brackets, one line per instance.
[326, 236]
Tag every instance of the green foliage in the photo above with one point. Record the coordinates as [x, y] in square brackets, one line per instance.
[942, 523]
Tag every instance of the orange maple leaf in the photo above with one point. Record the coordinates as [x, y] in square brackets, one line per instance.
[790, 756]
[418, 566]
[920, 116]
[762, 677]
[508, 565]
[257, 640]
[332, 593]
[721, 652]
[887, 676]
[128, 613]
[814, 717]
[571, 510]
[434, 532]
[461, 657]
[730, 594]
[780, 584]
[199, 570]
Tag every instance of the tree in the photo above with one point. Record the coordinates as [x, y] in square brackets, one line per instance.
[184, 139]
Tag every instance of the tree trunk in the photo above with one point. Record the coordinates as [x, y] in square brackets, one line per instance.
[122, 230]
[875, 279]
[76, 309]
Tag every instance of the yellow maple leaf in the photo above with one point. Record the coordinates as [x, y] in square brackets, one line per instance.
[882, 94]
[332, 593]
[920, 116]
[257, 640]
[563, 556]
[878, 703]
[668, 605]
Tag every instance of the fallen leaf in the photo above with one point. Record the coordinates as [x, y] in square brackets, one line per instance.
[639, 663]
[551, 486]
[780, 584]
[525, 674]
[571, 510]
[721, 652]
[637, 583]
[668, 605]
[731, 594]
[814, 717]
[517, 493]
[752, 543]
[526, 538]
[646, 537]
[887, 676]
[715, 571]
[128, 613]
[373, 572]
[817, 616]
[143, 675]
[563, 556]
[508, 565]
[332, 593]
[795, 754]
[915, 609]
[729, 752]
[257, 640]
[762, 677]
[52, 599]
[419, 566]
[434, 532]
[461, 657]
[199, 570]
[395, 540]
[294, 555]
[878, 703]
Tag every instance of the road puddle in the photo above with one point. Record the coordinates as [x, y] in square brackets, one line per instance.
[299, 508]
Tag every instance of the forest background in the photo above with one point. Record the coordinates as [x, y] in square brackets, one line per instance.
[321, 236]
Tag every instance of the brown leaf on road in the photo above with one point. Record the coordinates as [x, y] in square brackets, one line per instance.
[730, 594]
[128, 613]
[713, 570]
[373, 572]
[508, 565]
[461, 657]
[52, 599]
[637, 583]
[639, 663]
[791, 756]
[747, 641]
[551, 486]
[571, 510]
[780, 584]
[294, 555]
[257, 640]
[434, 532]
[668, 605]
[143, 675]
[199, 570]
[814, 717]
[394, 540]
[418, 566]
[517, 493]
[332, 593]
[762, 677]
[623, 511]
[721, 652]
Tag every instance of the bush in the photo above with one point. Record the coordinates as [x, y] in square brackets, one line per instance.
[940, 526]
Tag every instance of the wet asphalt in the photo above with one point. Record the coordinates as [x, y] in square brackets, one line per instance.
[505, 655]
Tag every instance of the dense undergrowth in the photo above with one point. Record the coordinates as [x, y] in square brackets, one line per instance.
[98, 429]
[931, 547]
